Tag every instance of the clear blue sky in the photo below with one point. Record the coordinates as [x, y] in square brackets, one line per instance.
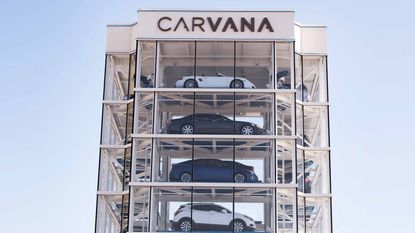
[51, 70]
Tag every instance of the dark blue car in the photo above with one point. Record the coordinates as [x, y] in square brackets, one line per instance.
[212, 170]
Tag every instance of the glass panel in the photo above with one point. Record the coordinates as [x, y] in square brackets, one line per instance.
[175, 110]
[142, 162]
[254, 210]
[285, 114]
[286, 211]
[125, 213]
[254, 113]
[139, 221]
[129, 122]
[127, 166]
[114, 124]
[284, 65]
[301, 90]
[213, 160]
[211, 210]
[133, 67]
[176, 64]
[214, 113]
[173, 156]
[116, 77]
[285, 161]
[315, 126]
[313, 172]
[254, 64]
[171, 209]
[215, 65]
[300, 126]
[111, 171]
[109, 214]
[147, 69]
[314, 213]
[144, 113]
[314, 79]
[254, 161]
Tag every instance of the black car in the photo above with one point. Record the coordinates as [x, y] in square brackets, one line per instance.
[211, 124]
[212, 170]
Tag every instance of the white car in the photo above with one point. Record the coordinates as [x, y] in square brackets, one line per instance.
[209, 216]
[218, 81]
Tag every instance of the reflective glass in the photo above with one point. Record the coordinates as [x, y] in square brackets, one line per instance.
[176, 64]
[314, 79]
[139, 221]
[254, 64]
[114, 128]
[147, 64]
[116, 77]
[171, 209]
[109, 214]
[141, 163]
[111, 169]
[144, 109]
[284, 60]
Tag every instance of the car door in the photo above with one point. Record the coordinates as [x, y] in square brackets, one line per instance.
[203, 124]
[201, 170]
[202, 81]
[210, 81]
[224, 125]
[220, 171]
[219, 217]
[200, 214]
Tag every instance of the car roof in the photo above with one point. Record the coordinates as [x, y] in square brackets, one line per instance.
[206, 160]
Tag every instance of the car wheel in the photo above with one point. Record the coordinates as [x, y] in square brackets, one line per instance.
[187, 129]
[190, 83]
[185, 225]
[239, 178]
[247, 130]
[238, 225]
[185, 177]
[237, 84]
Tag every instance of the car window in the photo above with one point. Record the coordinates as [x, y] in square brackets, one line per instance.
[202, 117]
[208, 207]
[216, 163]
[223, 118]
[200, 207]
[220, 208]
[202, 162]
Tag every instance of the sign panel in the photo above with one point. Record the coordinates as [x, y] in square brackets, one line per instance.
[161, 24]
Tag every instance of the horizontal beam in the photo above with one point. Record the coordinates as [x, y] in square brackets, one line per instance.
[215, 90]
[213, 136]
[211, 185]
[106, 146]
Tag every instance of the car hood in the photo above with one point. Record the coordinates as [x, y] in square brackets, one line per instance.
[242, 216]
[247, 123]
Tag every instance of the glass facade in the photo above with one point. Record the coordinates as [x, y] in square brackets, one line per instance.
[225, 136]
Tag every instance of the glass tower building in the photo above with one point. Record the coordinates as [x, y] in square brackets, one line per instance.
[215, 121]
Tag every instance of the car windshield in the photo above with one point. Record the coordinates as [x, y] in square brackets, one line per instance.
[222, 118]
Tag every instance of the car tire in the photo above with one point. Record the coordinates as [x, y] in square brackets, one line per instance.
[185, 225]
[185, 177]
[247, 130]
[237, 84]
[190, 83]
[238, 225]
[187, 129]
[239, 178]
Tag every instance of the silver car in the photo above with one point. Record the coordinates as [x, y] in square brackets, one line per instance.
[218, 81]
